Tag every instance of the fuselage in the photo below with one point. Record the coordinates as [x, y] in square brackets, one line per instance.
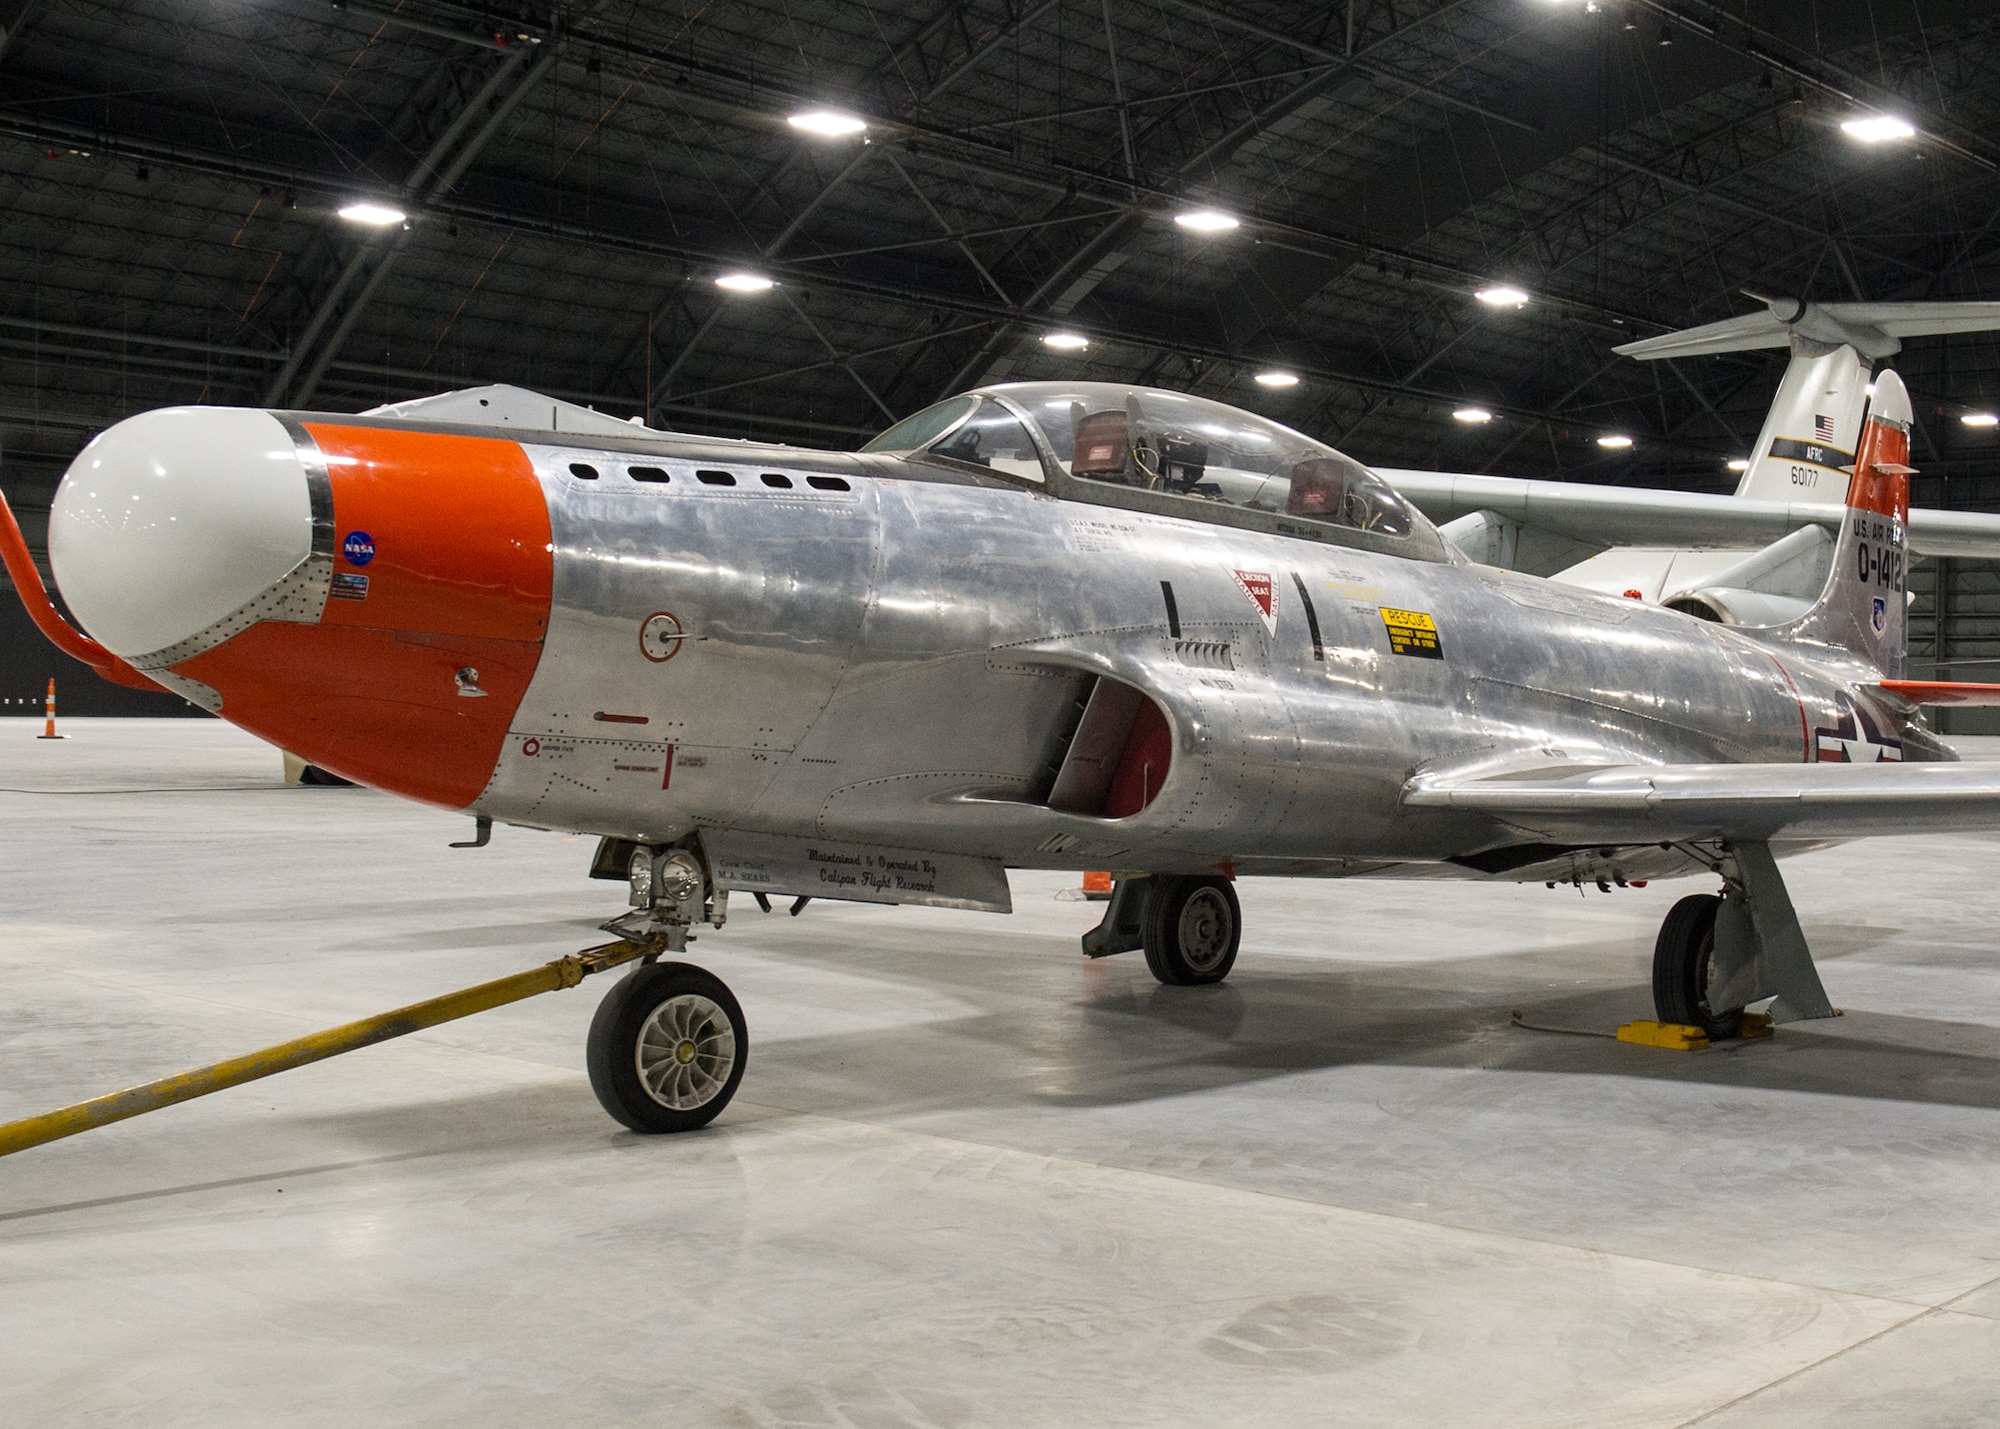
[650, 636]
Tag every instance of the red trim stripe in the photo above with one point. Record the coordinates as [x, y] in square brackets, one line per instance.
[1805, 726]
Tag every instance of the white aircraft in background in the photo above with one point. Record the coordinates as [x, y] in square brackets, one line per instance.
[1758, 557]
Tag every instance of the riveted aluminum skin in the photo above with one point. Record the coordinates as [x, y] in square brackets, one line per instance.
[902, 661]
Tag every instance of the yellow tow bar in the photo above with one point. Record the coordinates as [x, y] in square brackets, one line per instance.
[318, 1046]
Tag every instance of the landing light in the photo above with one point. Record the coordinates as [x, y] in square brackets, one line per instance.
[1874, 128]
[1472, 416]
[1738, 463]
[1615, 443]
[1206, 220]
[745, 283]
[1980, 419]
[375, 215]
[1277, 379]
[827, 123]
[1066, 341]
[1502, 295]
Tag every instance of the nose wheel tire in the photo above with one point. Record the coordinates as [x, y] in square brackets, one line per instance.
[667, 1048]
[1191, 930]
[1684, 969]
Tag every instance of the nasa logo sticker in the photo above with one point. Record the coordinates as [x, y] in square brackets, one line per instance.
[358, 548]
[1879, 617]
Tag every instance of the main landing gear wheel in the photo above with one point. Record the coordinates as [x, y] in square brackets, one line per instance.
[1191, 929]
[667, 1048]
[1684, 969]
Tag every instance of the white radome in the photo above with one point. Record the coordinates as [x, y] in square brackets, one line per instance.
[172, 519]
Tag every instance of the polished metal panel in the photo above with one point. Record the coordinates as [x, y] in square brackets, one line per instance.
[767, 586]
[905, 663]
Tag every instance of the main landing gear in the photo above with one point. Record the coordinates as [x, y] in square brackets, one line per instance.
[1717, 953]
[668, 1045]
[1684, 969]
[1188, 924]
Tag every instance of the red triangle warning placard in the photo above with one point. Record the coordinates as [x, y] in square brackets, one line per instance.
[1257, 585]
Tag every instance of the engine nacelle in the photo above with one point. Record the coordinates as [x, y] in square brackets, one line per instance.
[1732, 605]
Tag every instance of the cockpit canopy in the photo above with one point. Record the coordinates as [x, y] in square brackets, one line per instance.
[1143, 439]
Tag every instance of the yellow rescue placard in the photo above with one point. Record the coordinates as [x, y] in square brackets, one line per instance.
[1411, 632]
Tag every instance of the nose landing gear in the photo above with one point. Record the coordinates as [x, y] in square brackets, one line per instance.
[667, 1048]
[668, 1045]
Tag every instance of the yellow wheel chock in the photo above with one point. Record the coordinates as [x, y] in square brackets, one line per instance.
[1676, 1036]
[1680, 1037]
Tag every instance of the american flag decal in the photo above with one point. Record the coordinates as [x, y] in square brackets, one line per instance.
[1822, 428]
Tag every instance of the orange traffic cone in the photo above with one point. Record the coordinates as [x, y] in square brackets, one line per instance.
[49, 714]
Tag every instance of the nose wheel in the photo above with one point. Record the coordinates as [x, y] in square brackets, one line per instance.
[667, 1048]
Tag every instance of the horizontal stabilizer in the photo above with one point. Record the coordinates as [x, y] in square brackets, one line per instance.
[1942, 692]
[1635, 803]
[1872, 329]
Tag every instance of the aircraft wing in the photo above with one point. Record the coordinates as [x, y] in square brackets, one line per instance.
[1954, 533]
[1876, 329]
[1605, 516]
[1634, 803]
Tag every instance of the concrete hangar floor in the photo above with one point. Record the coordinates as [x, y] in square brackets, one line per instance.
[971, 1179]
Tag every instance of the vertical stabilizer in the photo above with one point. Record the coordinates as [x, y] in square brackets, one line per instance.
[1863, 609]
[1810, 435]
[1809, 438]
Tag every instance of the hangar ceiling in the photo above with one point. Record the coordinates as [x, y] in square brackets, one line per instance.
[577, 176]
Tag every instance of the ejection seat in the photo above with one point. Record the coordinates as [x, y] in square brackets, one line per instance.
[1319, 490]
[1103, 444]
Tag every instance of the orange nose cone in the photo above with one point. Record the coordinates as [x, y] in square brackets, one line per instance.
[433, 625]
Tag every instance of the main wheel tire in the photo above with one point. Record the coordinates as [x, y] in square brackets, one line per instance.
[667, 1048]
[1684, 969]
[1192, 926]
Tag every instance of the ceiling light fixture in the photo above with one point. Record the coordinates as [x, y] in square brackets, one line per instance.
[1615, 442]
[1277, 379]
[375, 215]
[1066, 341]
[1980, 419]
[1472, 416]
[1207, 220]
[827, 123]
[1875, 128]
[741, 282]
[1502, 295]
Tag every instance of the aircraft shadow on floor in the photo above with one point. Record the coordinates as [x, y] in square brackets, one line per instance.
[1130, 1040]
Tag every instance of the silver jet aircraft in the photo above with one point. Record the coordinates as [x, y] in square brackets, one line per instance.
[1041, 625]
